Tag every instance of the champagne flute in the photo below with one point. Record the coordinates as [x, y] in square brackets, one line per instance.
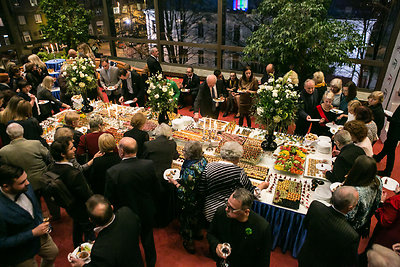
[226, 251]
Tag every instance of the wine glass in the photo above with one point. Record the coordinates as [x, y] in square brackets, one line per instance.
[226, 251]
[46, 218]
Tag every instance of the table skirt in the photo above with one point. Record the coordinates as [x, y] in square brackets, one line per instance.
[287, 226]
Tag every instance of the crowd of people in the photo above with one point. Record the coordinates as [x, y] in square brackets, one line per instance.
[116, 193]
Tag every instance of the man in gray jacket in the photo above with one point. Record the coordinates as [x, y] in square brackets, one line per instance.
[109, 80]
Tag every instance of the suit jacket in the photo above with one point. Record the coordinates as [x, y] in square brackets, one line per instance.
[17, 242]
[394, 125]
[77, 186]
[141, 137]
[30, 155]
[232, 84]
[44, 94]
[32, 130]
[133, 183]
[117, 245]
[97, 177]
[138, 88]
[161, 151]
[248, 249]
[192, 84]
[4, 86]
[154, 66]
[344, 161]
[112, 80]
[204, 100]
[330, 241]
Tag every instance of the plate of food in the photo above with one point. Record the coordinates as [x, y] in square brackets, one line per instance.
[111, 88]
[184, 90]
[82, 252]
[42, 102]
[128, 102]
[172, 173]
[336, 111]
[219, 100]
[389, 183]
[314, 120]
[335, 186]
[323, 166]
[241, 91]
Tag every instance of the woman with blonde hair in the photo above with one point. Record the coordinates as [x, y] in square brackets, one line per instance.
[39, 64]
[44, 93]
[97, 176]
[137, 122]
[320, 84]
[85, 51]
[375, 100]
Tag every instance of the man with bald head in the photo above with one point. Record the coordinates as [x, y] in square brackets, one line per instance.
[308, 101]
[331, 241]
[117, 242]
[72, 53]
[208, 91]
[152, 62]
[133, 183]
[269, 71]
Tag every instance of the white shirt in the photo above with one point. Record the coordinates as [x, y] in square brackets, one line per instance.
[214, 88]
[23, 201]
[129, 83]
[66, 163]
[99, 228]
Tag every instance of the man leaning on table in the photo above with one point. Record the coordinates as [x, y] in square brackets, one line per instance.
[109, 80]
[331, 241]
[248, 234]
[208, 91]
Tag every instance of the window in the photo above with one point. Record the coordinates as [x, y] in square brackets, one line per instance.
[236, 33]
[38, 18]
[33, 2]
[21, 20]
[235, 61]
[200, 30]
[1, 23]
[201, 56]
[26, 36]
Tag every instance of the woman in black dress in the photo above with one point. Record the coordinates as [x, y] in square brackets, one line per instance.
[137, 122]
[324, 114]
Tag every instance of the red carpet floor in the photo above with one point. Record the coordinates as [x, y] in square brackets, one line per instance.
[170, 252]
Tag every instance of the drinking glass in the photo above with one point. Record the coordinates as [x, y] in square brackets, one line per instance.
[226, 251]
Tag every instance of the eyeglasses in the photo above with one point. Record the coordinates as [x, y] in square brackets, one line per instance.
[230, 208]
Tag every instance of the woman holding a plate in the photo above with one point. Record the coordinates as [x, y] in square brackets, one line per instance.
[323, 112]
[248, 86]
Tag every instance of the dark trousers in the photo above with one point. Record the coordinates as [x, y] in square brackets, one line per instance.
[113, 98]
[146, 236]
[230, 104]
[248, 118]
[82, 231]
[389, 150]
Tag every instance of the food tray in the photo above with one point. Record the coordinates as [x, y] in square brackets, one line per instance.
[311, 170]
[287, 194]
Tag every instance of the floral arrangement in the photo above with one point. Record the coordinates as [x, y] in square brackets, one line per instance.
[277, 103]
[161, 94]
[291, 159]
[80, 75]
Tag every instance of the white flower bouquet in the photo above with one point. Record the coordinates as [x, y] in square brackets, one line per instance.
[80, 76]
[277, 103]
[160, 94]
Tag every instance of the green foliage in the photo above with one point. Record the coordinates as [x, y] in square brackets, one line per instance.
[67, 21]
[44, 56]
[300, 33]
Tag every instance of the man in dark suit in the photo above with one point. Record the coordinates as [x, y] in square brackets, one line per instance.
[133, 183]
[152, 62]
[132, 87]
[117, 243]
[390, 145]
[190, 82]
[109, 80]
[208, 91]
[4, 80]
[23, 234]
[331, 241]
[349, 152]
[248, 234]
[62, 150]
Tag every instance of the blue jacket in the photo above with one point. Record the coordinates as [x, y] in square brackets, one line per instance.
[17, 242]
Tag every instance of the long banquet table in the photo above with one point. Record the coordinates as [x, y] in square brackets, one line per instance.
[287, 224]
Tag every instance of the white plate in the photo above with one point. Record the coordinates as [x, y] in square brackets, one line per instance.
[218, 100]
[336, 111]
[331, 124]
[74, 254]
[42, 102]
[183, 90]
[323, 167]
[111, 88]
[175, 174]
[334, 186]
[128, 102]
[314, 120]
[388, 113]
[389, 183]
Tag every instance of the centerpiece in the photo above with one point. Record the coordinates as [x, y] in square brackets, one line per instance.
[80, 77]
[161, 97]
[276, 107]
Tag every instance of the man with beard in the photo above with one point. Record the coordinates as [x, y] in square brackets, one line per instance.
[23, 234]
